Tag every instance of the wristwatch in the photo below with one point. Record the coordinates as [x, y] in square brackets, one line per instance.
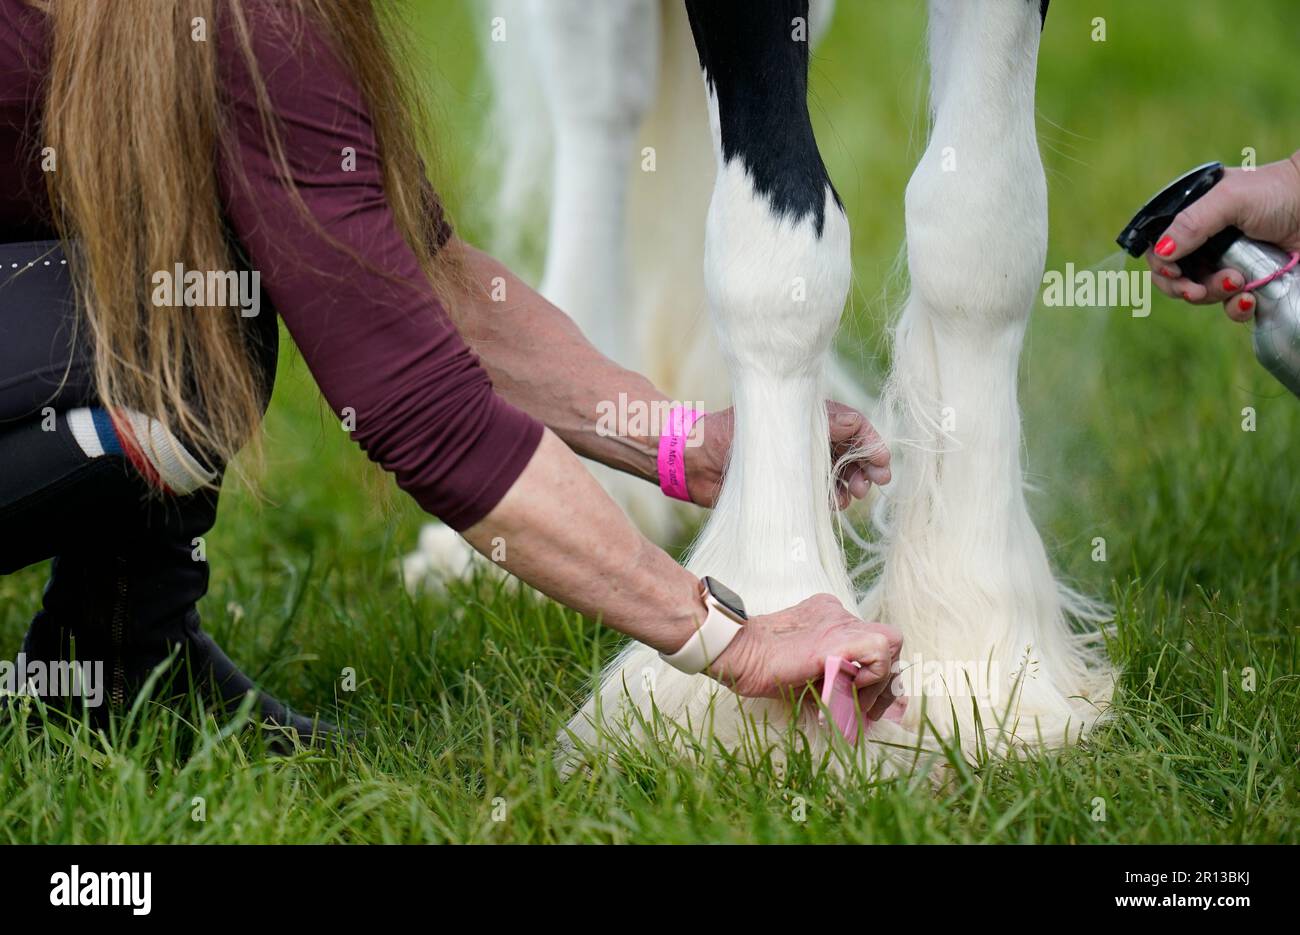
[726, 615]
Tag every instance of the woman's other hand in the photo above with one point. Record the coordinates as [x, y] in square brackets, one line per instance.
[849, 432]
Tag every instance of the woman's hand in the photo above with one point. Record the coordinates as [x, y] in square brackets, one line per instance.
[1264, 204]
[776, 655]
[849, 431]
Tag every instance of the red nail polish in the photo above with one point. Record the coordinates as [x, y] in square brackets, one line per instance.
[1165, 246]
[1245, 302]
[1229, 285]
[1187, 297]
[1166, 272]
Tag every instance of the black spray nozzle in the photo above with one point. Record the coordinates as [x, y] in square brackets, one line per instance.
[1158, 213]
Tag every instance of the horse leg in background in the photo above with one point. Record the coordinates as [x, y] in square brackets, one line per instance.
[669, 190]
[776, 263]
[598, 66]
[595, 65]
[965, 575]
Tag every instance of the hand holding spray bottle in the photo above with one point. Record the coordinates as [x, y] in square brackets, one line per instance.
[1271, 273]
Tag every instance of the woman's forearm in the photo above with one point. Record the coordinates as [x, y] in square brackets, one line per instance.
[540, 361]
[558, 530]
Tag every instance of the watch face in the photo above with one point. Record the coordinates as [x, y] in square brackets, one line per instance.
[726, 597]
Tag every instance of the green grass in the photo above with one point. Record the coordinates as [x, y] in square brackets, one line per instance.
[1133, 433]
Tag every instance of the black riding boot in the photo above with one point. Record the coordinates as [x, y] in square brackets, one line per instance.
[132, 608]
[124, 585]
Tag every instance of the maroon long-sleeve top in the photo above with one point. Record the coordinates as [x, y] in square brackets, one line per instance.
[348, 287]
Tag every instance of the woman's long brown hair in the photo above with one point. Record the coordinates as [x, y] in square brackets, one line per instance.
[134, 114]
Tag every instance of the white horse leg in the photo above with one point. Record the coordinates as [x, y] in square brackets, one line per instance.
[966, 577]
[776, 263]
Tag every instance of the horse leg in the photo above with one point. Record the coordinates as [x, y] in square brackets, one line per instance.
[776, 273]
[598, 67]
[965, 575]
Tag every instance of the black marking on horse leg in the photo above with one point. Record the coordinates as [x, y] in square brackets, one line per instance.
[756, 65]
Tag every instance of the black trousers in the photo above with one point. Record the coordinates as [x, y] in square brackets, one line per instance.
[89, 514]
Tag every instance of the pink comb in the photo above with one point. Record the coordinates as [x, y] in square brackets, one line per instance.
[838, 697]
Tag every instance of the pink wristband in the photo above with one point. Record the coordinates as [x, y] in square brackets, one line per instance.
[672, 451]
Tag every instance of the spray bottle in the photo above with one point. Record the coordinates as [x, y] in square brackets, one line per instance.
[1271, 274]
